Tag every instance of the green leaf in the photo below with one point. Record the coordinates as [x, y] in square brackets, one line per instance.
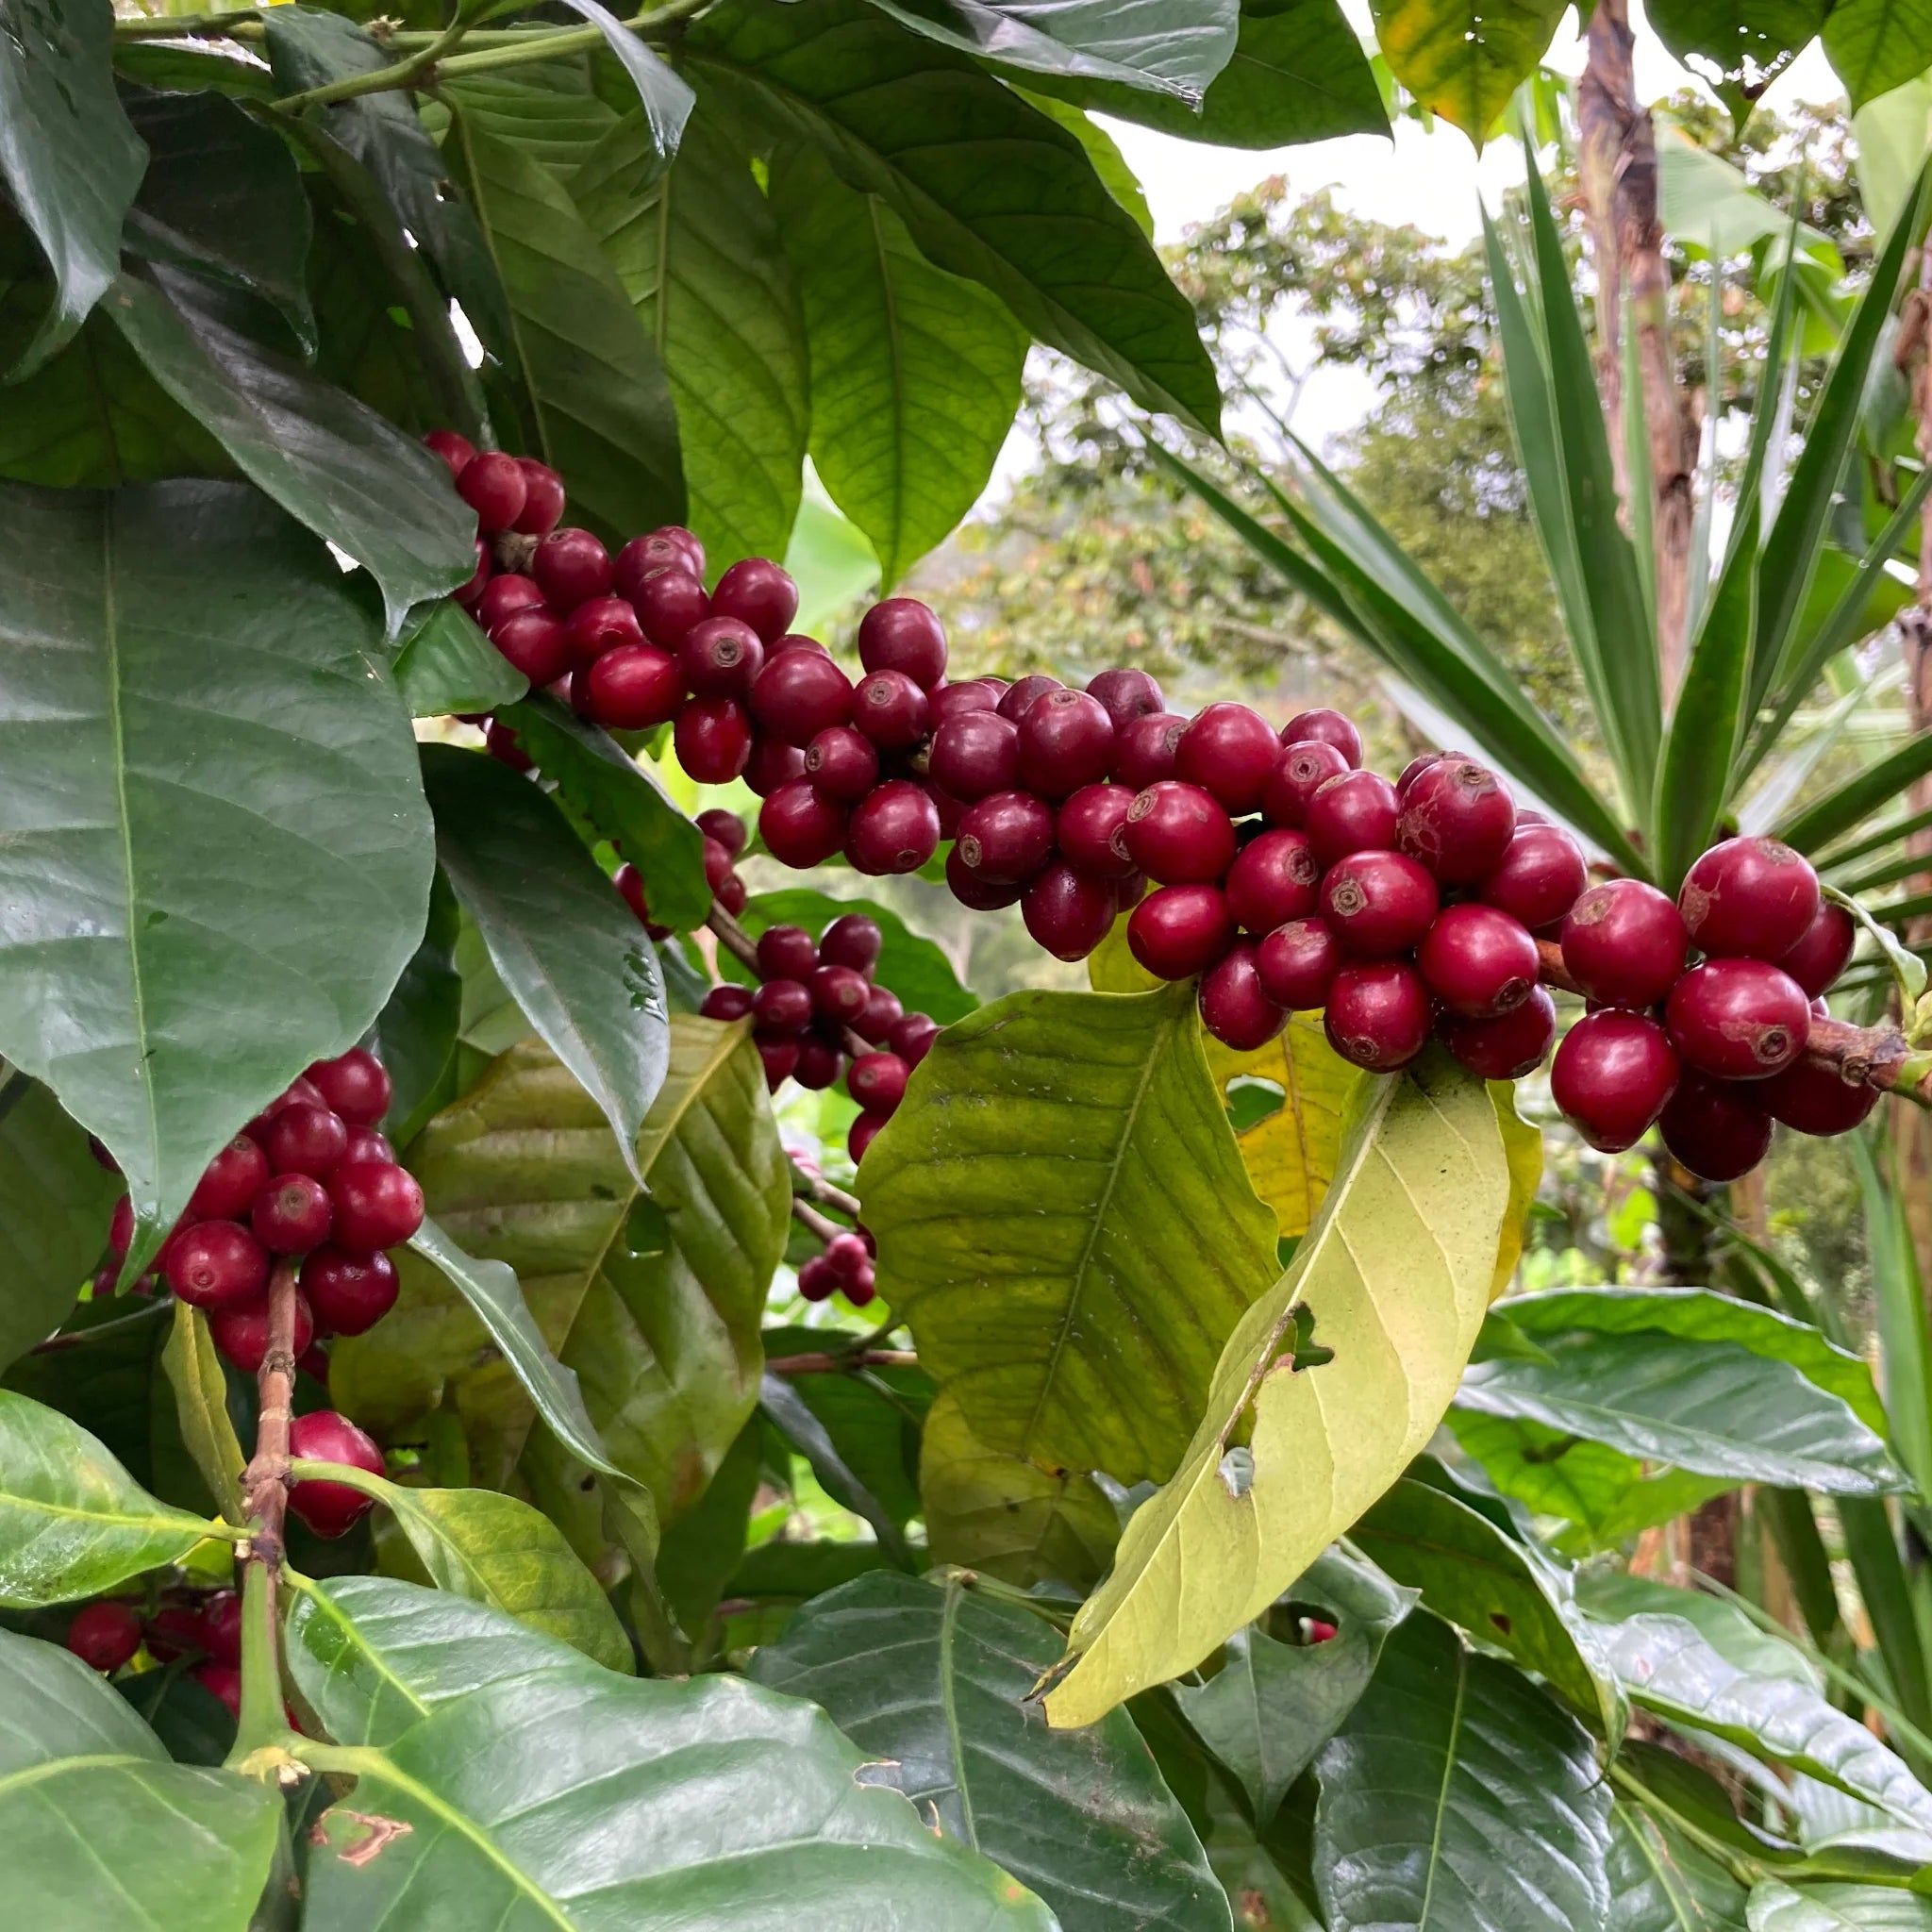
[447, 665]
[1463, 61]
[1611, 1596]
[666, 97]
[934, 1679]
[911, 965]
[193, 1724]
[68, 155]
[699, 1552]
[1740, 46]
[416, 1031]
[1459, 1797]
[73, 1521]
[1272, 1706]
[102, 1832]
[699, 253]
[1856, 798]
[565, 944]
[548, 110]
[1776, 1907]
[1395, 1272]
[782, 1406]
[925, 128]
[237, 869]
[201, 1405]
[780, 1569]
[915, 373]
[1063, 1222]
[1661, 1882]
[55, 1201]
[601, 410]
[330, 461]
[621, 798]
[1103, 151]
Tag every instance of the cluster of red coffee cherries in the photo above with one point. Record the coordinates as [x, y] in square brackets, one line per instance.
[106, 1633]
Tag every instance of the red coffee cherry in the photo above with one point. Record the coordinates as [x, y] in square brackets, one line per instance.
[1298, 773]
[721, 657]
[882, 1014]
[1179, 834]
[1235, 1005]
[365, 1143]
[104, 1635]
[573, 567]
[471, 594]
[175, 1630]
[759, 592]
[1018, 699]
[1068, 911]
[852, 939]
[727, 827]
[1823, 952]
[1754, 898]
[911, 1037]
[976, 754]
[1539, 876]
[1323, 726]
[503, 596]
[848, 1254]
[894, 828]
[717, 861]
[535, 642]
[1066, 741]
[1377, 1015]
[861, 1134]
[630, 888]
[800, 694]
[726, 1004]
[217, 1264]
[1180, 931]
[1715, 1128]
[1811, 1099]
[842, 763]
[348, 1292]
[492, 485]
[819, 1062]
[801, 826]
[376, 1207]
[1624, 944]
[903, 634]
[783, 1006]
[1612, 1075]
[1091, 830]
[654, 551]
[543, 498]
[1228, 750]
[976, 893]
[456, 450]
[1378, 904]
[600, 625]
[241, 1334]
[292, 1214]
[221, 1681]
[1479, 962]
[306, 1139]
[1298, 963]
[221, 1626]
[1507, 1048]
[1738, 1019]
[838, 993]
[878, 1081]
[771, 765]
[786, 952]
[890, 709]
[331, 1510]
[1457, 818]
[500, 741]
[633, 688]
[1354, 812]
[712, 738]
[1007, 838]
[1143, 749]
[1273, 880]
[230, 1182]
[1127, 694]
[779, 1054]
[669, 603]
[818, 1280]
[1129, 892]
[945, 701]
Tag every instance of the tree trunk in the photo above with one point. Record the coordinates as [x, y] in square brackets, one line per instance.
[1617, 146]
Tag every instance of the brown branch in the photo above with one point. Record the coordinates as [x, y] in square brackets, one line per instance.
[265, 1481]
[827, 1363]
[820, 1189]
[811, 1218]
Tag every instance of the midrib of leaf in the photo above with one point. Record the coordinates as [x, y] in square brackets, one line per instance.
[1448, 1772]
[896, 363]
[661, 295]
[97, 389]
[949, 1617]
[55, 1767]
[1683, 1908]
[1292, 1097]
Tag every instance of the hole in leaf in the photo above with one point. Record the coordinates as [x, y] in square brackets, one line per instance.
[1251, 1101]
[1500, 1621]
[1238, 1471]
[1307, 1352]
[645, 1230]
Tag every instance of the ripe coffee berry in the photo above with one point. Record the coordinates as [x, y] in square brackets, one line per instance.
[227, 1189]
[818, 1280]
[365, 1143]
[721, 657]
[668, 604]
[1229, 751]
[771, 765]
[1179, 834]
[852, 939]
[842, 763]
[306, 1139]
[500, 743]
[783, 1006]
[976, 893]
[878, 1081]
[1377, 1015]
[1066, 741]
[860, 1136]
[976, 754]
[1235, 1005]
[1180, 931]
[221, 1626]
[104, 1635]
[543, 498]
[712, 738]
[1297, 963]
[573, 567]
[329, 1508]
[504, 596]
[1298, 773]
[1715, 1128]
[217, 1264]
[726, 1003]
[727, 827]
[1752, 898]
[911, 1037]
[800, 694]
[630, 888]
[756, 592]
[882, 1014]
[1273, 880]
[1457, 819]
[786, 952]
[1811, 1099]
[838, 993]
[1321, 727]
[375, 1206]
[1507, 1048]
[1126, 695]
[779, 1055]
[633, 688]
[1068, 911]
[1354, 812]
[292, 1214]
[1018, 699]
[1378, 904]
[241, 1334]
[1823, 952]
[1738, 1019]
[847, 1253]
[801, 826]
[471, 594]
[1143, 749]
[1612, 1075]
[348, 1292]
[535, 642]
[493, 486]
[894, 828]
[456, 450]
[1007, 838]
[944, 701]
[1538, 877]
[1479, 962]
[600, 625]
[221, 1681]
[1624, 944]
[819, 1062]
[890, 709]
[1091, 830]
[901, 635]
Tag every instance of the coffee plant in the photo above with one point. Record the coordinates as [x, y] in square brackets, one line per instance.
[424, 1499]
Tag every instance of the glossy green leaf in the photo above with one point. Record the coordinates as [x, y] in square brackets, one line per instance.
[564, 942]
[1064, 1223]
[217, 854]
[201, 1406]
[415, 1034]
[1395, 1274]
[621, 798]
[780, 1405]
[548, 109]
[700, 1551]
[1102, 150]
[1456, 1795]
[103, 1834]
[914, 966]
[1776, 1907]
[70, 161]
[915, 372]
[601, 410]
[1463, 61]
[1856, 798]
[925, 128]
[933, 1679]
[664, 95]
[1740, 46]
[193, 1724]
[447, 665]
[73, 1521]
[1613, 1595]
[1272, 1706]
[55, 1202]
[795, 1572]
[699, 253]
[1661, 1882]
